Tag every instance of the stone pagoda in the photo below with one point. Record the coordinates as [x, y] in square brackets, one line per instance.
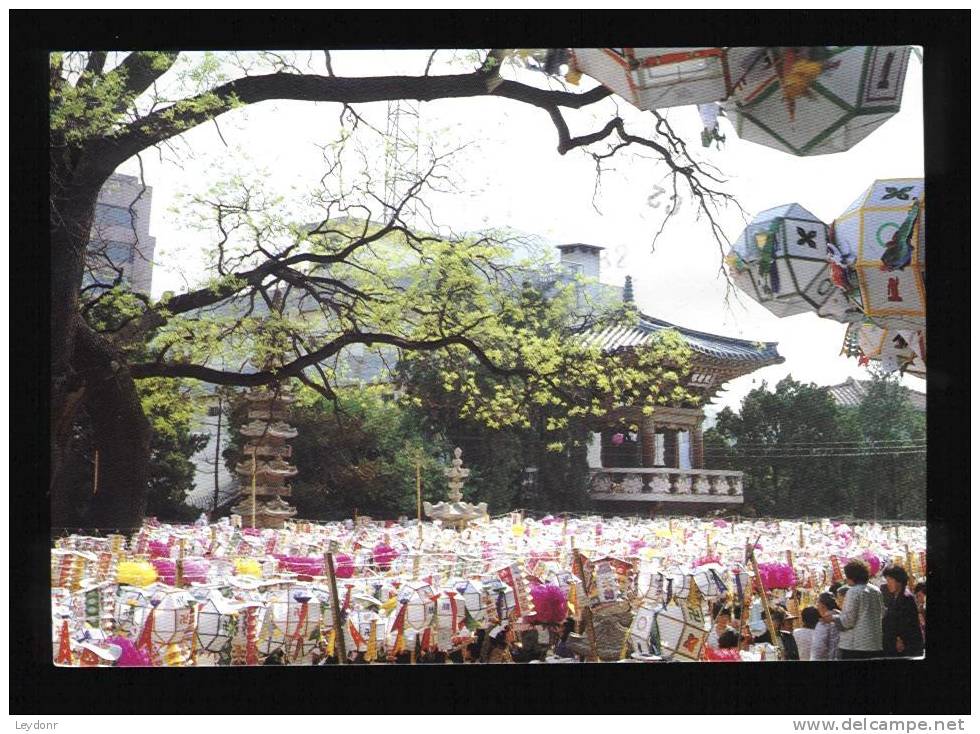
[265, 469]
[455, 512]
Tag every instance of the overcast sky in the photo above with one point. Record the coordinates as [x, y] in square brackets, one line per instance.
[511, 175]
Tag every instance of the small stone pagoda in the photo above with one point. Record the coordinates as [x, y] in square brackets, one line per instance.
[264, 468]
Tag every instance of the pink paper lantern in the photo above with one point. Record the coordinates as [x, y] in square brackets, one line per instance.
[159, 549]
[777, 575]
[550, 604]
[166, 569]
[196, 570]
[343, 566]
[383, 555]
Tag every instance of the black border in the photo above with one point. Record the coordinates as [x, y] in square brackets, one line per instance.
[940, 684]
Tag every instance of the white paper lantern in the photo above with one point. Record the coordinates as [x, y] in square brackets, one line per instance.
[682, 632]
[894, 350]
[216, 622]
[292, 622]
[818, 99]
[780, 260]
[361, 621]
[132, 606]
[420, 606]
[656, 78]
[883, 234]
[474, 599]
[174, 618]
[643, 630]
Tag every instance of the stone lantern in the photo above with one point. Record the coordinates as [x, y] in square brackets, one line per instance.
[455, 512]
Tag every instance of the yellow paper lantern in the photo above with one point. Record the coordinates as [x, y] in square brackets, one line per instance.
[136, 573]
[248, 567]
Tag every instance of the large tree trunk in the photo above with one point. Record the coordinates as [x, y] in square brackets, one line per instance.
[120, 430]
[71, 214]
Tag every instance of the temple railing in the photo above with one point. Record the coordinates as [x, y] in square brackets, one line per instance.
[666, 484]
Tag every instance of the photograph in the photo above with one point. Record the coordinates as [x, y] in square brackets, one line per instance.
[384, 355]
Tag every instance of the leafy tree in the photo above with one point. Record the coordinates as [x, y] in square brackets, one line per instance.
[106, 108]
[779, 439]
[544, 418]
[893, 481]
[804, 455]
[360, 451]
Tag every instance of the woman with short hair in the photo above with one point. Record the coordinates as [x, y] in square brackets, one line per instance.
[901, 634]
[859, 621]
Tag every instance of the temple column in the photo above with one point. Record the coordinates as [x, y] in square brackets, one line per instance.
[648, 442]
[672, 448]
[697, 447]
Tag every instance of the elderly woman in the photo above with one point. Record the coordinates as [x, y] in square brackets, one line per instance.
[860, 619]
[901, 633]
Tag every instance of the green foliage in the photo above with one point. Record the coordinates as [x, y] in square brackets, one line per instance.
[804, 455]
[169, 406]
[363, 456]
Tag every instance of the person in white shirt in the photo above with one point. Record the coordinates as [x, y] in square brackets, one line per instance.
[804, 635]
[860, 619]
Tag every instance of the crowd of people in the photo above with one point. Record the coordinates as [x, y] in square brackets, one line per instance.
[852, 620]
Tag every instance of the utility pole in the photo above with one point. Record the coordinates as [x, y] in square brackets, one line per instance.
[217, 459]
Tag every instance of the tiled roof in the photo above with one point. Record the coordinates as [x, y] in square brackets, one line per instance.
[851, 392]
[712, 345]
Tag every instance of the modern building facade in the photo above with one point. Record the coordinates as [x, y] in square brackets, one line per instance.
[121, 247]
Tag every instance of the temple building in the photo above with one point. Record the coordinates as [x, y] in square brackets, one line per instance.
[661, 465]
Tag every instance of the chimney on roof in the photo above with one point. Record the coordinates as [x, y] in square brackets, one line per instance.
[582, 258]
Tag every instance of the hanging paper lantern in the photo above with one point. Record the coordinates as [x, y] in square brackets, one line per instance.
[216, 622]
[883, 233]
[513, 577]
[818, 99]
[708, 579]
[643, 637]
[474, 599]
[780, 260]
[894, 350]
[501, 597]
[292, 622]
[132, 607]
[248, 567]
[135, 573]
[173, 618]
[383, 555]
[417, 596]
[656, 78]
[357, 631]
[682, 631]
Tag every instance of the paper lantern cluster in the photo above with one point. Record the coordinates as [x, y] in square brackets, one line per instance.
[867, 269]
[639, 589]
[809, 100]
